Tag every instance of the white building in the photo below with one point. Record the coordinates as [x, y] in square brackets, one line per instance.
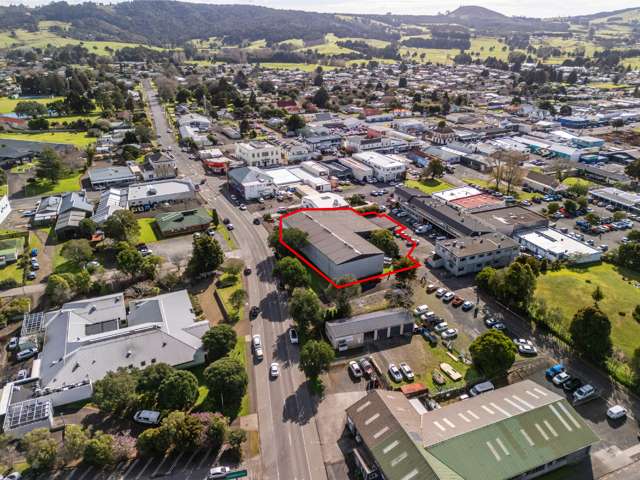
[553, 245]
[324, 200]
[5, 208]
[172, 191]
[385, 169]
[295, 152]
[258, 154]
[359, 171]
[196, 121]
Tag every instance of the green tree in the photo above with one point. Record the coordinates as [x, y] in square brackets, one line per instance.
[435, 168]
[384, 240]
[635, 366]
[215, 429]
[75, 441]
[99, 450]
[130, 261]
[218, 341]
[122, 226]
[406, 275]
[58, 288]
[305, 309]
[590, 332]
[38, 124]
[316, 357]
[178, 391]
[87, 227]
[237, 298]
[579, 189]
[592, 218]
[553, 207]
[116, 391]
[150, 378]
[636, 313]
[493, 353]
[30, 108]
[321, 98]
[184, 430]
[237, 437]
[49, 165]
[518, 285]
[485, 279]
[294, 123]
[342, 296]
[292, 273]
[597, 295]
[77, 251]
[570, 206]
[294, 237]
[207, 256]
[152, 442]
[633, 170]
[228, 379]
[41, 449]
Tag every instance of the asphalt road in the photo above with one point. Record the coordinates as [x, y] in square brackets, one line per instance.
[289, 444]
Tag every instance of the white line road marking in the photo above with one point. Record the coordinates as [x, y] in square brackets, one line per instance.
[84, 474]
[175, 462]
[164, 459]
[206, 455]
[143, 468]
[131, 467]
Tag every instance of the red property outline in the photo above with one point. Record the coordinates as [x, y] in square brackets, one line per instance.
[400, 230]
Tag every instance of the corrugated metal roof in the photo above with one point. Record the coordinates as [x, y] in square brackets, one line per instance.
[367, 322]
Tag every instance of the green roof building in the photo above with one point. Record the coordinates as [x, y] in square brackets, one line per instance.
[519, 432]
[178, 223]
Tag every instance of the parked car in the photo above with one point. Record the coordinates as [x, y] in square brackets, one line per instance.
[407, 372]
[218, 473]
[440, 292]
[499, 326]
[366, 366]
[616, 412]
[147, 417]
[394, 372]
[449, 334]
[527, 350]
[447, 297]
[572, 384]
[13, 343]
[274, 370]
[431, 288]
[441, 327]
[554, 370]
[254, 312]
[256, 221]
[28, 353]
[355, 369]
[31, 275]
[560, 378]
[583, 393]
[420, 310]
[467, 305]
[430, 337]
[13, 476]
[34, 264]
[293, 335]
[457, 301]
[481, 388]
[230, 226]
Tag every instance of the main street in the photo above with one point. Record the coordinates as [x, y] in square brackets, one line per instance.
[289, 444]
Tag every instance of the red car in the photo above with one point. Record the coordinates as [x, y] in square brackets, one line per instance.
[457, 301]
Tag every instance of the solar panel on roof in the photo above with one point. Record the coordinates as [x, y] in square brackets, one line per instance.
[32, 323]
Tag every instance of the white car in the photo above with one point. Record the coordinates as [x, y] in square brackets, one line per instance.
[441, 327]
[584, 392]
[425, 317]
[293, 335]
[257, 346]
[148, 417]
[407, 372]
[274, 370]
[218, 473]
[394, 372]
[527, 349]
[447, 297]
[13, 476]
[449, 334]
[420, 310]
[440, 292]
[560, 378]
[616, 412]
[355, 369]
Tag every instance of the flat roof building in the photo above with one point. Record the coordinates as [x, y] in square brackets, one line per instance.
[519, 431]
[384, 168]
[107, 177]
[174, 191]
[618, 198]
[554, 245]
[511, 220]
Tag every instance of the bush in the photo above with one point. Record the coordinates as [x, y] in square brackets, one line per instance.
[8, 283]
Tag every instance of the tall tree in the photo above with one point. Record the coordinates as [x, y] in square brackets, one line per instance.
[435, 168]
[293, 237]
[77, 251]
[116, 391]
[342, 296]
[206, 257]
[384, 240]
[228, 380]
[49, 165]
[178, 391]
[493, 353]
[591, 333]
[122, 226]
[218, 341]
[321, 98]
[633, 170]
[305, 309]
[292, 273]
[41, 449]
[316, 357]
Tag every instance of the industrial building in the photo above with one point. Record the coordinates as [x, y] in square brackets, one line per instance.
[172, 191]
[520, 431]
[553, 245]
[336, 242]
[354, 332]
[385, 169]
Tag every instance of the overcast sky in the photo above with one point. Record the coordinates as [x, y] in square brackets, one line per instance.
[531, 8]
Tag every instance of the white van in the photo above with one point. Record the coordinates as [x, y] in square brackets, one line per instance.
[148, 417]
[481, 388]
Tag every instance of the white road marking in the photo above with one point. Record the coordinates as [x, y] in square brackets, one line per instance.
[144, 468]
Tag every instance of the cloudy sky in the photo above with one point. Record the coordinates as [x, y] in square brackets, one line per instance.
[531, 8]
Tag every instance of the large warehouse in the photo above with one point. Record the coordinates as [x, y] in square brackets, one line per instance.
[519, 431]
[336, 243]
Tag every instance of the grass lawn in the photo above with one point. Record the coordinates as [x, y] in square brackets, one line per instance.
[12, 271]
[225, 296]
[78, 139]
[4, 189]
[570, 289]
[23, 168]
[45, 187]
[8, 105]
[147, 233]
[222, 230]
[519, 194]
[433, 357]
[204, 403]
[569, 181]
[428, 186]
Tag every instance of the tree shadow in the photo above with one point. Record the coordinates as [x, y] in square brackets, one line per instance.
[301, 406]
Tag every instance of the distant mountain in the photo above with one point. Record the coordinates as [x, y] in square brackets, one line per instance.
[471, 13]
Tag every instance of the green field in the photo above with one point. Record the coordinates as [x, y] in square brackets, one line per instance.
[8, 105]
[569, 181]
[225, 296]
[79, 139]
[147, 233]
[45, 187]
[428, 186]
[570, 289]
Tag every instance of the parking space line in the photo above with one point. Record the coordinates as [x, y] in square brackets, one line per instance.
[173, 465]
[84, 474]
[116, 470]
[164, 459]
[71, 472]
[206, 455]
[130, 467]
[143, 468]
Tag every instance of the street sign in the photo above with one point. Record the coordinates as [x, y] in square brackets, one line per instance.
[238, 474]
